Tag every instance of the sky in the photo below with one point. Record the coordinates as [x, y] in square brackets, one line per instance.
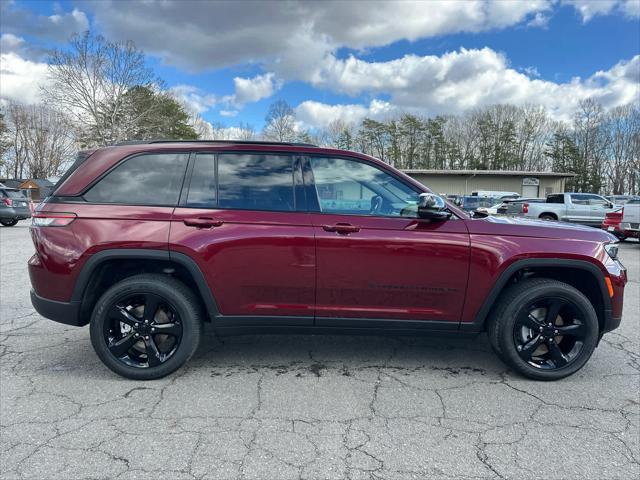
[228, 61]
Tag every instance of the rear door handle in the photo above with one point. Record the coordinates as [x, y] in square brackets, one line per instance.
[343, 228]
[202, 222]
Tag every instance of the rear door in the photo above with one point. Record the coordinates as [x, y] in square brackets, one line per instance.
[242, 217]
[578, 210]
[377, 262]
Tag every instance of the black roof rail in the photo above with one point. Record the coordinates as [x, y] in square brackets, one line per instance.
[238, 142]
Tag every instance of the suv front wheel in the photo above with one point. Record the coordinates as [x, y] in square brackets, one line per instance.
[544, 329]
[146, 326]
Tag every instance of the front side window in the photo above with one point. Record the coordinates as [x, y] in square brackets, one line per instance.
[150, 179]
[579, 200]
[255, 182]
[350, 187]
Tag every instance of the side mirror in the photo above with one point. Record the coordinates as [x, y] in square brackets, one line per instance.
[432, 207]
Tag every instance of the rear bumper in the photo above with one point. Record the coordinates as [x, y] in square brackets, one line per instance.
[62, 312]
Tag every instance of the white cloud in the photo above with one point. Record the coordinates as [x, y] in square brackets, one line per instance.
[20, 79]
[193, 98]
[10, 43]
[458, 81]
[228, 113]
[249, 90]
[591, 8]
[293, 36]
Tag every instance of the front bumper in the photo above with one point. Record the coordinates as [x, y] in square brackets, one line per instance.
[62, 312]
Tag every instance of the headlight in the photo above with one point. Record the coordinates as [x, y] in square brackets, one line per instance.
[612, 250]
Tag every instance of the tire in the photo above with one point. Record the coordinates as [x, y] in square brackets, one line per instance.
[518, 307]
[548, 217]
[9, 223]
[117, 323]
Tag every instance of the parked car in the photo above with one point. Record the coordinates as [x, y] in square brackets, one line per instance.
[584, 208]
[630, 222]
[495, 194]
[471, 203]
[518, 206]
[14, 206]
[147, 242]
[611, 224]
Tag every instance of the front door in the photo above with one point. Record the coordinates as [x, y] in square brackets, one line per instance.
[245, 223]
[376, 260]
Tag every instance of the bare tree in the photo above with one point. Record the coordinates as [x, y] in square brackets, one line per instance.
[280, 122]
[89, 80]
[42, 140]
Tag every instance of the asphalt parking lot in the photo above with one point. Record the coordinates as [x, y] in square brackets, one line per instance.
[279, 407]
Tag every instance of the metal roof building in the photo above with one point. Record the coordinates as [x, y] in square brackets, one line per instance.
[464, 182]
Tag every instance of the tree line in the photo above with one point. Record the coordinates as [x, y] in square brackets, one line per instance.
[602, 148]
[100, 93]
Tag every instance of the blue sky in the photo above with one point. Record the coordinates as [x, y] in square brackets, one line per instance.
[349, 60]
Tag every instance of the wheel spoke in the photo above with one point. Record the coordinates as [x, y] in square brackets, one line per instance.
[120, 313]
[574, 330]
[122, 346]
[151, 305]
[168, 328]
[553, 309]
[531, 321]
[154, 357]
[556, 355]
[528, 348]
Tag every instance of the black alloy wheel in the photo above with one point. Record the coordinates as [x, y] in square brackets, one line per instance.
[549, 333]
[143, 330]
[146, 326]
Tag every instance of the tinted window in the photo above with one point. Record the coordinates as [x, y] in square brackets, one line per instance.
[153, 179]
[351, 187]
[555, 199]
[255, 182]
[202, 189]
[15, 194]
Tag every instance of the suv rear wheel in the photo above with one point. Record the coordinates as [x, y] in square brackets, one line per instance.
[146, 326]
[544, 329]
[9, 223]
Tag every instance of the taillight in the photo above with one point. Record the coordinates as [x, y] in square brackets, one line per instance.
[8, 202]
[525, 208]
[53, 219]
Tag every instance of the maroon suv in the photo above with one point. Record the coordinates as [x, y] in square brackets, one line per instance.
[146, 242]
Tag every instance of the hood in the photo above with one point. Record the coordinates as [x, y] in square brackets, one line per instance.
[524, 227]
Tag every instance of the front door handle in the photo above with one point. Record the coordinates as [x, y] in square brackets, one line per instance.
[343, 228]
[202, 222]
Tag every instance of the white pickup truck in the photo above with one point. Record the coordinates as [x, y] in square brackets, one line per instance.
[630, 224]
[584, 208]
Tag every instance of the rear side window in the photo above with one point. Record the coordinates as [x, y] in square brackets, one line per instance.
[202, 188]
[150, 179]
[555, 199]
[255, 182]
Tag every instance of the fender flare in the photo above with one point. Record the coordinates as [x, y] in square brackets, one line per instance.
[95, 260]
[480, 319]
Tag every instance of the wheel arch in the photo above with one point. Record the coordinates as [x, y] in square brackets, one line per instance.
[572, 272]
[551, 214]
[107, 267]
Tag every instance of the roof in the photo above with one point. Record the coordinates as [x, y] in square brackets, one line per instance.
[227, 142]
[40, 182]
[11, 182]
[506, 173]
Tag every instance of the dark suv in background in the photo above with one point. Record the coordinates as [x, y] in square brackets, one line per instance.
[14, 206]
[146, 242]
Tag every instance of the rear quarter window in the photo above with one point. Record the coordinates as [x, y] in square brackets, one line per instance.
[147, 179]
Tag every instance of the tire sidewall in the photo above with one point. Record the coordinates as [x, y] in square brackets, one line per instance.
[189, 318]
[523, 299]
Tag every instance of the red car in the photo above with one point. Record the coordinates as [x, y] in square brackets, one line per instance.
[146, 242]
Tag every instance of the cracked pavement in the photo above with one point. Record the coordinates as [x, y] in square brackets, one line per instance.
[309, 407]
